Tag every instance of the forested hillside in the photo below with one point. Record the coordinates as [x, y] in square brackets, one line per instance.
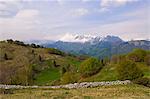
[27, 64]
[30, 64]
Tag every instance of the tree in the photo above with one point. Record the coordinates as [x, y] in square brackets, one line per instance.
[69, 77]
[90, 67]
[147, 59]
[32, 51]
[33, 45]
[55, 51]
[40, 58]
[137, 55]
[117, 58]
[128, 70]
[63, 70]
[5, 56]
[10, 41]
[54, 62]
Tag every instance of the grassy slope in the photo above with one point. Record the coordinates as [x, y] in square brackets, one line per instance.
[105, 92]
[50, 73]
[109, 73]
[47, 76]
[145, 69]
[106, 74]
[22, 56]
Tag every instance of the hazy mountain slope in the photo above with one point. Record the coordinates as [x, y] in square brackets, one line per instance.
[100, 47]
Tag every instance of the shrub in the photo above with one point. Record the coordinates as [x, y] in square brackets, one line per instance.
[142, 81]
[128, 70]
[6, 91]
[10, 41]
[5, 56]
[147, 59]
[137, 55]
[90, 67]
[117, 58]
[69, 77]
[55, 51]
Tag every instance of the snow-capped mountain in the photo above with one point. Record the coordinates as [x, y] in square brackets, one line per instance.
[77, 38]
[89, 38]
[97, 46]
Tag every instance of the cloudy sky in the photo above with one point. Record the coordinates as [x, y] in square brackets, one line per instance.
[51, 19]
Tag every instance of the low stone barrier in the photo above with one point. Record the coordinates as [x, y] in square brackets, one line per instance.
[71, 86]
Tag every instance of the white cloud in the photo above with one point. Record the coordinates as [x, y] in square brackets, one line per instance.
[80, 12]
[20, 26]
[8, 7]
[87, 0]
[101, 10]
[110, 3]
[54, 20]
[29, 13]
[67, 37]
[137, 29]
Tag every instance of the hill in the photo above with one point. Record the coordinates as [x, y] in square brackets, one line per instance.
[30, 64]
[25, 65]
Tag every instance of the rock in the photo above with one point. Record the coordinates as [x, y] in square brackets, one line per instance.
[71, 86]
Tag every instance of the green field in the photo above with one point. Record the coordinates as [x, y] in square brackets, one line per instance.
[105, 92]
[47, 76]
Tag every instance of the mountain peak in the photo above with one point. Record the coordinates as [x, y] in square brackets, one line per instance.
[76, 38]
[89, 38]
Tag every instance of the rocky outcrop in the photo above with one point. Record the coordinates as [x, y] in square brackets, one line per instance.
[71, 86]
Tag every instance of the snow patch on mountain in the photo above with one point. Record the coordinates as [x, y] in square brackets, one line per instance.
[78, 38]
[89, 38]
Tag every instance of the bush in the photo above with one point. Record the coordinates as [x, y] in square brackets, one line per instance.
[128, 70]
[147, 59]
[90, 67]
[142, 81]
[137, 55]
[55, 51]
[6, 91]
[117, 58]
[69, 77]
[10, 41]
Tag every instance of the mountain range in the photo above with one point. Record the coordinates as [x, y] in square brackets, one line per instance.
[97, 46]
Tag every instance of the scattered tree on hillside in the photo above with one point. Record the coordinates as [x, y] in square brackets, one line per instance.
[63, 70]
[54, 62]
[69, 77]
[5, 56]
[33, 45]
[118, 58]
[128, 70]
[147, 59]
[19, 43]
[10, 41]
[90, 67]
[32, 51]
[137, 55]
[40, 58]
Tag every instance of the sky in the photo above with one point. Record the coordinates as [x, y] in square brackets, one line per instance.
[52, 19]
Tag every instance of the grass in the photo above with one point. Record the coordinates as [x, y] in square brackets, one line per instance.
[108, 73]
[104, 92]
[47, 76]
[145, 69]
